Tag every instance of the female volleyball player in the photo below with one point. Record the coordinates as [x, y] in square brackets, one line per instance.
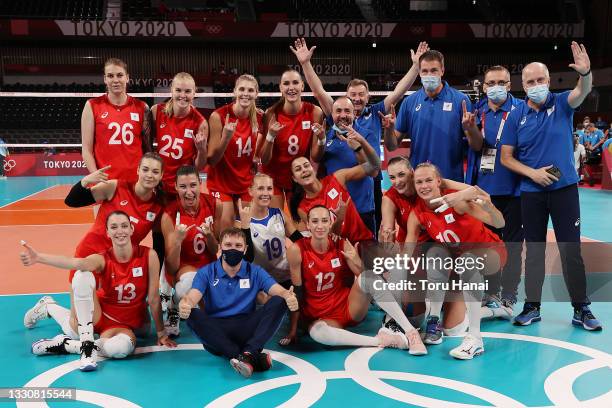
[115, 128]
[327, 306]
[458, 224]
[128, 276]
[290, 125]
[234, 131]
[187, 225]
[331, 190]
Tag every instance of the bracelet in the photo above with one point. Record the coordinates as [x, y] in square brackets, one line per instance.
[358, 149]
[585, 74]
[321, 142]
[270, 138]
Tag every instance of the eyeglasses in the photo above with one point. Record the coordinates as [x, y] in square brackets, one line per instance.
[500, 83]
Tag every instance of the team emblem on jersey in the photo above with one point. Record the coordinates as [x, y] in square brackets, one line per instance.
[137, 272]
[305, 124]
[310, 264]
[163, 125]
[367, 115]
[209, 220]
[418, 108]
[550, 110]
[402, 210]
[329, 143]
[255, 234]
[150, 216]
[449, 218]
[523, 120]
[333, 193]
[215, 282]
[245, 284]
[104, 115]
[133, 220]
[448, 106]
[279, 227]
[335, 263]
[134, 116]
[123, 203]
[188, 134]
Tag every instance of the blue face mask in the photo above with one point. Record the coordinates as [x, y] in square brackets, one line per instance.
[337, 129]
[431, 82]
[537, 94]
[232, 256]
[497, 94]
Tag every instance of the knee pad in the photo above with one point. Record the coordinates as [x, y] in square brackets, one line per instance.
[184, 284]
[83, 284]
[321, 333]
[118, 346]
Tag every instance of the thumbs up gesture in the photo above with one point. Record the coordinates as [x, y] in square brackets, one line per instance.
[29, 256]
[291, 300]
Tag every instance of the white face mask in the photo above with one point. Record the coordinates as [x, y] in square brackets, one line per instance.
[537, 94]
[430, 82]
[497, 93]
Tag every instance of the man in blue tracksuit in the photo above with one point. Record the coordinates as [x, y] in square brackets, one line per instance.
[539, 146]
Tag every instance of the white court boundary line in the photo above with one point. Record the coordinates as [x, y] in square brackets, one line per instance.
[30, 195]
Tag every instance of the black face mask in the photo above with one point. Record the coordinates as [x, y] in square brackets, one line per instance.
[232, 256]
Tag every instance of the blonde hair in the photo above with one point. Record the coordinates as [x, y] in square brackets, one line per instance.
[260, 176]
[181, 76]
[429, 165]
[252, 108]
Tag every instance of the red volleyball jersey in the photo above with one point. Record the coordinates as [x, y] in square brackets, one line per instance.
[176, 142]
[193, 249]
[353, 227]
[403, 207]
[124, 287]
[234, 174]
[142, 216]
[452, 228]
[292, 141]
[118, 136]
[322, 275]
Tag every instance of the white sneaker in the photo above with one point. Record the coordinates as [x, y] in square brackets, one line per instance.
[415, 344]
[172, 324]
[38, 312]
[56, 345]
[389, 338]
[89, 356]
[470, 347]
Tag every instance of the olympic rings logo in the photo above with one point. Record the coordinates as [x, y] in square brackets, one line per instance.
[313, 382]
[9, 165]
[214, 28]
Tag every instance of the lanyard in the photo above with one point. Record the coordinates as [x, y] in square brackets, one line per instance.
[499, 131]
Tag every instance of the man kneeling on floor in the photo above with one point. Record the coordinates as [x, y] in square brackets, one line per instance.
[228, 324]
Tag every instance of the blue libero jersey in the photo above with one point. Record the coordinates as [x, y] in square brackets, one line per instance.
[543, 138]
[502, 181]
[225, 296]
[268, 235]
[434, 128]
